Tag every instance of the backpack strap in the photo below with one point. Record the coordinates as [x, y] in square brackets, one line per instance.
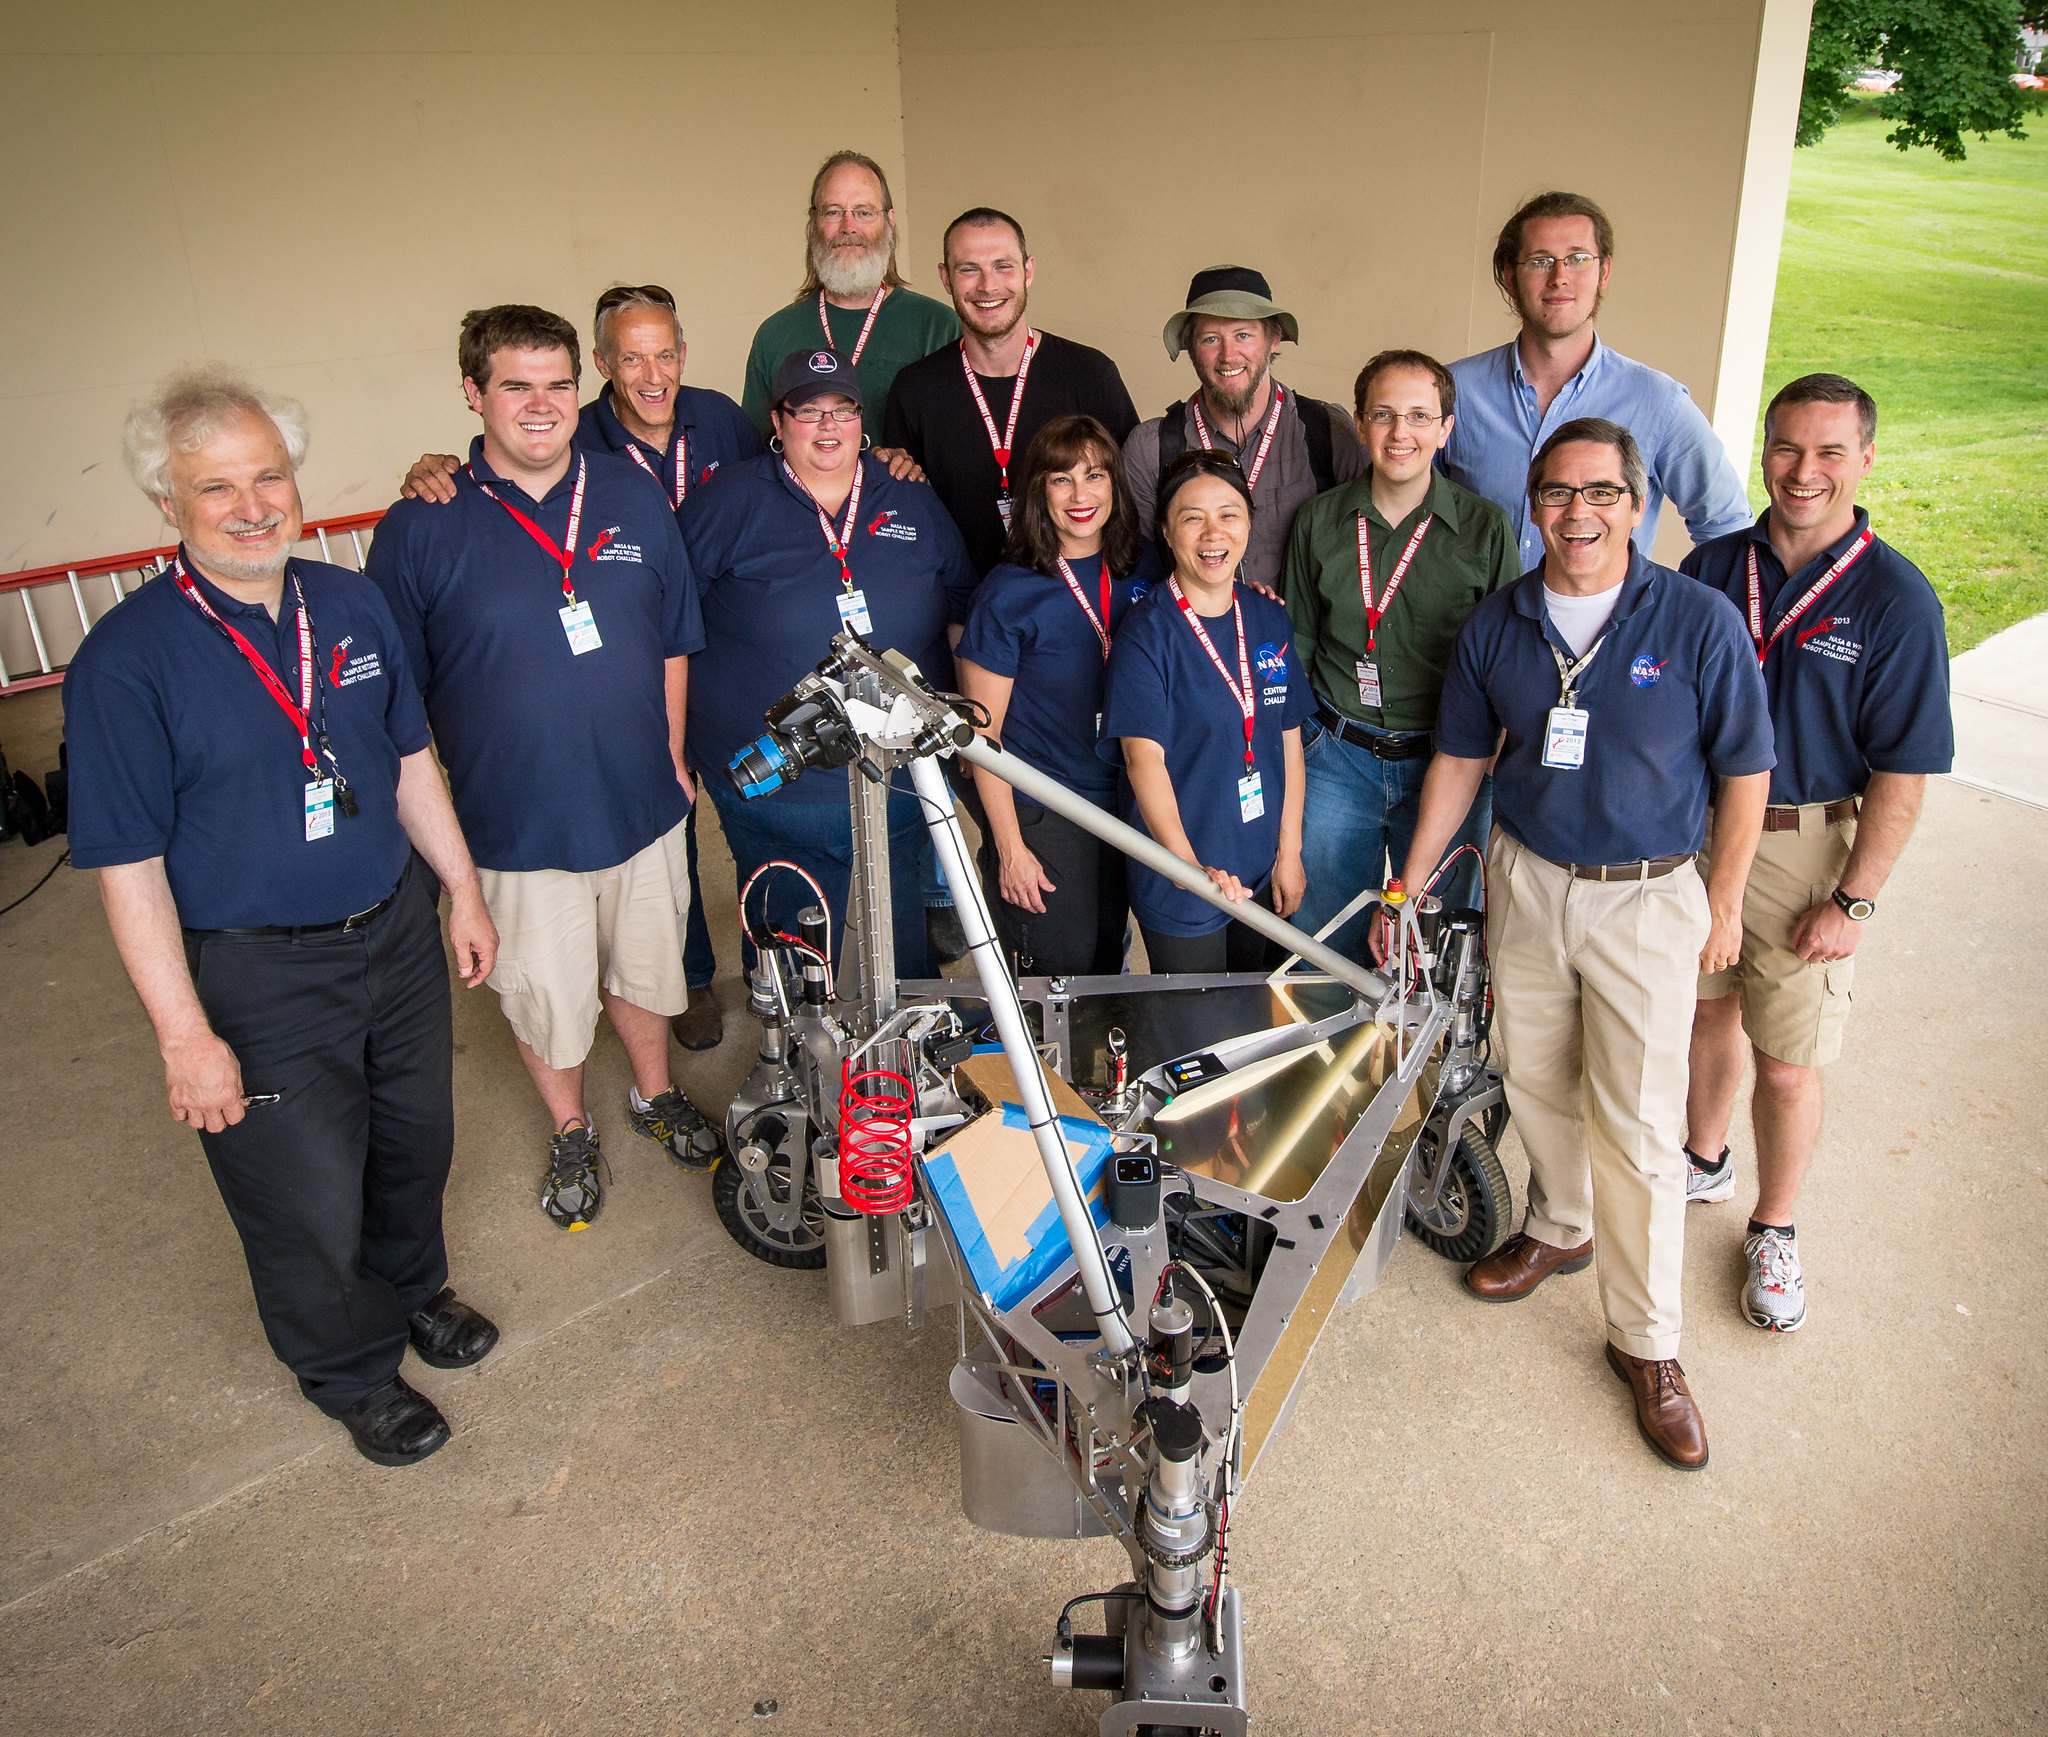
[1173, 433]
[1315, 428]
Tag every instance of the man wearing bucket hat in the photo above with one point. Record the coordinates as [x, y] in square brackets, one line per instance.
[1290, 448]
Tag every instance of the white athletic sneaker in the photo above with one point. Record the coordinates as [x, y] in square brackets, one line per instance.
[1775, 1297]
[1709, 1185]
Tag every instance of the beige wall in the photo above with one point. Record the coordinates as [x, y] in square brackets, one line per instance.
[317, 193]
[1363, 156]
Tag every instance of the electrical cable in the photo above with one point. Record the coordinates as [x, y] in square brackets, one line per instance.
[1066, 1623]
[38, 887]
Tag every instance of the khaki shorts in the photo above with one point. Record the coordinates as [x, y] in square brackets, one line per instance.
[561, 933]
[1792, 1008]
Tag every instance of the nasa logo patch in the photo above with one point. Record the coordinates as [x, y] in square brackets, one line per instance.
[1645, 671]
[1271, 661]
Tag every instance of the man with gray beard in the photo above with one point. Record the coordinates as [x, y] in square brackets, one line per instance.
[853, 299]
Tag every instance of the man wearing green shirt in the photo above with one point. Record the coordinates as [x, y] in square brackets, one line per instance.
[853, 299]
[1379, 577]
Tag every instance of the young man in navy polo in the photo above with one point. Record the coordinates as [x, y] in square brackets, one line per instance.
[1855, 658]
[680, 437]
[251, 777]
[1615, 693]
[549, 613]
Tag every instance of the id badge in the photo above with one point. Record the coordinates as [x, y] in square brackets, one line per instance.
[1003, 506]
[853, 612]
[1368, 683]
[581, 627]
[1251, 800]
[1564, 739]
[319, 809]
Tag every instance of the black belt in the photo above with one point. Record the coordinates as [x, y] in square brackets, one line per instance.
[1401, 745]
[360, 920]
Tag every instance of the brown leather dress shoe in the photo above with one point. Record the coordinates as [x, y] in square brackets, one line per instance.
[700, 1025]
[1520, 1264]
[1665, 1411]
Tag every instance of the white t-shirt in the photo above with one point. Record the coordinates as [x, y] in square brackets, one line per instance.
[1580, 619]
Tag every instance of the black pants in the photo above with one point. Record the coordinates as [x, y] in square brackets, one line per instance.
[1082, 930]
[336, 1188]
[1230, 948]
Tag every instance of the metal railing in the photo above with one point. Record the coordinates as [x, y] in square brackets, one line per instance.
[93, 587]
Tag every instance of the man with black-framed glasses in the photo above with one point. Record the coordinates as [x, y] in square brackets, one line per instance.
[1551, 263]
[1380, 575]
[1611, 696]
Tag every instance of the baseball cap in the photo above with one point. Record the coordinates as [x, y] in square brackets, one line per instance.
[808, 374]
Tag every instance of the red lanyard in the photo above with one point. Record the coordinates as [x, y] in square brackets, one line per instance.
[1813, 594]
[1006, 442]
[640, 458]
[1376, 612]
[1251, 480]
[836, 541]
[860, 343]
[1246, 697]
[566, 558]
[301, 713]
[1099, 622]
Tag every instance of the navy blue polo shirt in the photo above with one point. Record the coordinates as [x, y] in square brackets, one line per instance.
[178, 750]
[1028, 627]
[1673, 699]
[769, 587]
[711, 431]
[557, 761]
[1163, 687]
[1859, 683]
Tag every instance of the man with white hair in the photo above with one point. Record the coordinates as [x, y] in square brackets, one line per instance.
[251, 778]
[853, 300]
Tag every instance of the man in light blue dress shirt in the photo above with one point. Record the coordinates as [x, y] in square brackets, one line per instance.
[1552, 262]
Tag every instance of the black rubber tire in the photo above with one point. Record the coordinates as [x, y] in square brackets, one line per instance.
[805, 1252]
[1479, 1204]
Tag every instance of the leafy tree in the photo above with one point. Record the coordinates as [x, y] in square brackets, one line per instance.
[1954, 59]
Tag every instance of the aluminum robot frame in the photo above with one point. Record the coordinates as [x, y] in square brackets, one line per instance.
[1260, 1140]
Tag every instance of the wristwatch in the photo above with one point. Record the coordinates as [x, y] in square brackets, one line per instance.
[1856, 910]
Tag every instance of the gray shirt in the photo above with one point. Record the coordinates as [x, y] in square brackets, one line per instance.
[1284, 484]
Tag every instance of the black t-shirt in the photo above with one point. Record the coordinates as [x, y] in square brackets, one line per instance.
[933, 415]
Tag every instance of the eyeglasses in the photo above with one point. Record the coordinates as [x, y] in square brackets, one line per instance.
[1383, 416]
[840, 213]
[811, 415]
[626, 295]
[1595, 494]
[1543, 264]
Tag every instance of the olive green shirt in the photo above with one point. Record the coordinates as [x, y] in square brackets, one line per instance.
[1469, 552]
[909, 328]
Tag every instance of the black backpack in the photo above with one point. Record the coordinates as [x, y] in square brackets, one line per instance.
[1173, 437]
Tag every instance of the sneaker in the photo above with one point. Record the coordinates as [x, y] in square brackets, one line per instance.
[1775, 1297]
[1708, 1182]
[570, 1192]
[672, 1121]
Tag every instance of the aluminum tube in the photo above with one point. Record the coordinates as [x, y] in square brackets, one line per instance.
[1050, 793]
[1008, 1012]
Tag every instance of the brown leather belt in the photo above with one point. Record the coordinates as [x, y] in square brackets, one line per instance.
[1646, 869]
[1780, 818]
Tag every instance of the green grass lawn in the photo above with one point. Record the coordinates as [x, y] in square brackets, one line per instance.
[1927, 283]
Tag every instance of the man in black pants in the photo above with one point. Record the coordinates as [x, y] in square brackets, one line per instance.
[251, 777]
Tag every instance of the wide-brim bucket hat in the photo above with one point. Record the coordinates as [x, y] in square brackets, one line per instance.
[1228, 292]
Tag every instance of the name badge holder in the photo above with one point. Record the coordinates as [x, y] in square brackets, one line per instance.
[579, 626]
[1251, 800]
[1566, 729]
[319, 809]
[852, 600]
[1368, 666]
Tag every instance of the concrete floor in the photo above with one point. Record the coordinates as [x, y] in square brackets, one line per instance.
[678, 1491]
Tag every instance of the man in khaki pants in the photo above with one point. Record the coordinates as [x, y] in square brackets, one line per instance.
[1855, 658]
[1614, 693]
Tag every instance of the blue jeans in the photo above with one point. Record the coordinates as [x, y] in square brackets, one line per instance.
[1359, 816]
[818, 837]
[700, 963]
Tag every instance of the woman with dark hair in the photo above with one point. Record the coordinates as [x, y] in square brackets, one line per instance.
[1205, 705]
[1037, 641]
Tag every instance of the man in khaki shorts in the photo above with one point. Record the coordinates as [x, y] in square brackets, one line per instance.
[1616, 693]
[1854, 656]
[549, 612]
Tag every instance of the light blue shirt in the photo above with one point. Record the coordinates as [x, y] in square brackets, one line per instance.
[1498, 431]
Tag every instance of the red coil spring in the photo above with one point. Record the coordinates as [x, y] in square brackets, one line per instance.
[875, 1108]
